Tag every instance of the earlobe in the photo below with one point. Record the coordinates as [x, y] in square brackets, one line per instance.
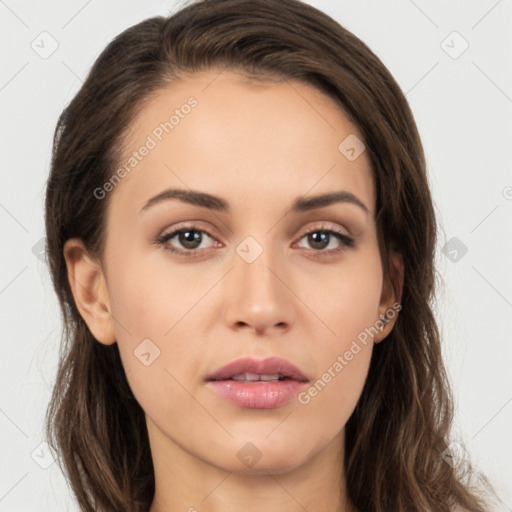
[89, 289]
[391, 297]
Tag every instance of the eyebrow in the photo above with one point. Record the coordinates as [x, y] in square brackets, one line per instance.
[300, 204]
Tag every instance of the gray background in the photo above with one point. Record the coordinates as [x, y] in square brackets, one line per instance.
[462, 102]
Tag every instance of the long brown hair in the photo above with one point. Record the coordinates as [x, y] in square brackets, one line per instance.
[397, 434]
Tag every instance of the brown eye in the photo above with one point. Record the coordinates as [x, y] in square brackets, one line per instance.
[186, 241]
[321, 239]
[190, 239]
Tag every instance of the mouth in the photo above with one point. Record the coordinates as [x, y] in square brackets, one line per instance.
[254, 370]
[257, 384]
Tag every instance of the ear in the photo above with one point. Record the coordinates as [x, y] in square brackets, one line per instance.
[88, 285]
[391, 296]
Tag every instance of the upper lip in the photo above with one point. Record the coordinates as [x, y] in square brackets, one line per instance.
[269, 366]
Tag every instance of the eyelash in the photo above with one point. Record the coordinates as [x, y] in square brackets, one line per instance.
[346, 241]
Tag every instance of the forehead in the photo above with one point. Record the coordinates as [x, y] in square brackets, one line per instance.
[219, 130]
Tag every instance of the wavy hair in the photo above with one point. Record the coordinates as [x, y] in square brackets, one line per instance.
[400, 426]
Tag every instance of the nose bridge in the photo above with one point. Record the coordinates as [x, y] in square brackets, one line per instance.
[254, 264]
[257, 295]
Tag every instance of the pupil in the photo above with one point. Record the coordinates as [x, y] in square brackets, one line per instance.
[319, 239]
[190, 239]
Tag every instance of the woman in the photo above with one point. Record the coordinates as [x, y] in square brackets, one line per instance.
[241, 236]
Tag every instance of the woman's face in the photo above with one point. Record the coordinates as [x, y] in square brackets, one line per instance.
[246, 279]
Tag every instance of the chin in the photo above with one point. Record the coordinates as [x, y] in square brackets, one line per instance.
[269, 459]
[269, 467]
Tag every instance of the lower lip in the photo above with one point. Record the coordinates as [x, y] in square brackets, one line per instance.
[259, 394]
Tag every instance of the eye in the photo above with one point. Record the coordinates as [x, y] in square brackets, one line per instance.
[190, 238]
[322, 238]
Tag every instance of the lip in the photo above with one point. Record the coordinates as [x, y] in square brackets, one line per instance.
[267, 366]
[259, 394]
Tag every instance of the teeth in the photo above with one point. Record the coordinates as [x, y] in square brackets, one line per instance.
[275, 376]
[251, 377]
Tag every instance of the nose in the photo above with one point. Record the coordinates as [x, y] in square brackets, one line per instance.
[259, 297]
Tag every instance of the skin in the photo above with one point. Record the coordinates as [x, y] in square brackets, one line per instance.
[259, 146]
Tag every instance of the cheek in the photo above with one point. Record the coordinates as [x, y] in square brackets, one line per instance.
[150, 295]
[343, 358]
[331, 399]
[349, 298]
[155, 309]
[348, 306]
